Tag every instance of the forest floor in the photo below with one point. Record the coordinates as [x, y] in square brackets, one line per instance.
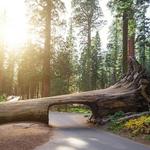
[31, 135]
[23, 136]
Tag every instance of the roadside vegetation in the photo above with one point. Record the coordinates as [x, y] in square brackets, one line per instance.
[72, 108]
[2, 98]
[134, 128]
[79, 109]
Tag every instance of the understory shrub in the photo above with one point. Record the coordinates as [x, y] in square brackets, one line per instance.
[2, 98]
[114, 125]
[137, 126]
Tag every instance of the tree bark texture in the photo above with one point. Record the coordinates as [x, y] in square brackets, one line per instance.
[46, 55]
[125, 41]
[131, 46]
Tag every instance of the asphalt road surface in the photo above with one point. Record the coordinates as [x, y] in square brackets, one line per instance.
[71, 132]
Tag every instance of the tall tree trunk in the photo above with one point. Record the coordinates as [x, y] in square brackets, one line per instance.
[46, 58]
[125, 41]
[131, 46]
[89, 56]
[114, 75]
[10, 75]
[143, 56]
[32, 89]
[1, 71]
[2, 47]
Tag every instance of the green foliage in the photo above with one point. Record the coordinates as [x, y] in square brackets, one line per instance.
[138, 126]
[96, 66]
[113, 59]
[85, 13]
[80, 110]
[65, 66]
[73, 108]
[147, 137]
[2, 98]
[143, 32]
[29, 70]
[23, 74]
[114, 125]
[120, 6]
[141, 125]
[96, 62]
[87, 16]
[117, 115]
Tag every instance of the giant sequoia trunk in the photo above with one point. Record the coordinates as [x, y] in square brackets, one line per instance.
[46, 56]
[125, 41]
[131, 93]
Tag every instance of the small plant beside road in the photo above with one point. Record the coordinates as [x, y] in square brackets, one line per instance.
[138, 128]
[2, 98]
[114, 125]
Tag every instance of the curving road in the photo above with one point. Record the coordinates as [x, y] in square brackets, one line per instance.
[72, 133]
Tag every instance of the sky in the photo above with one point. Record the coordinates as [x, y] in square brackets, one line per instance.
[15, 27]
[107, 16]
[15, 31]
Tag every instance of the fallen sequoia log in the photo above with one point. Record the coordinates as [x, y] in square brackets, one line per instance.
[130, 94]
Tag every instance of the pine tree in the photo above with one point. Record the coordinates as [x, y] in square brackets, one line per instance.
[29, 73]
[65, 66]
[8, 82]
[87, 16]
[2, 53]
[96, 61]
[143, 30]
[46, 18]
[114, 48]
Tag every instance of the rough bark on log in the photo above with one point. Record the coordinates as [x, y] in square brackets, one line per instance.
[131, 93]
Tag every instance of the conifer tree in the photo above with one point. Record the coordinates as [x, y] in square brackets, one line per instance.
[87, 15]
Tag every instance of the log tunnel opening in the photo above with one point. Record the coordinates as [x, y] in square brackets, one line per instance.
[63, 115]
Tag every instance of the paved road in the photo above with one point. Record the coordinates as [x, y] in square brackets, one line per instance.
[72, 133]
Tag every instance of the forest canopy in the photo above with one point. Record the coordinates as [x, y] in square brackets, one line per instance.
[59, 47]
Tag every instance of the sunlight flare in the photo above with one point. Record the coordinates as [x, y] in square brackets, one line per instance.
[13, 28]
[77, 142]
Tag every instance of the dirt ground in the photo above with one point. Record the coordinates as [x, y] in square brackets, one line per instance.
[23, 136]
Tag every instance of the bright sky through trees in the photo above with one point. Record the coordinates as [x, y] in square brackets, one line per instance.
[15, 29]
[44, 52]
[14, 23]
[107, 16]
